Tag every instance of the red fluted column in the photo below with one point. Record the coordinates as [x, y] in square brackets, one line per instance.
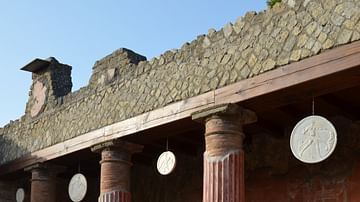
[43, 182]
[224, 179]
[115, 170]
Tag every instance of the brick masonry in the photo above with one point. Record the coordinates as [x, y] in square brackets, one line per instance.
[124, 84]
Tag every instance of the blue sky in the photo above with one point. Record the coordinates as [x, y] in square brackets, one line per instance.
[80, 32]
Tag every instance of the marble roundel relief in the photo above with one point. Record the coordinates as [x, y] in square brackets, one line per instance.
[313, 139]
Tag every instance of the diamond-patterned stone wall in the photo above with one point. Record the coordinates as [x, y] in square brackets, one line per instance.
[124, 84]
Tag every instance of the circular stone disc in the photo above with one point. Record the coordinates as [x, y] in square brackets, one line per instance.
[77, 187]
[313, 139]
[20, 195]
[166, 163]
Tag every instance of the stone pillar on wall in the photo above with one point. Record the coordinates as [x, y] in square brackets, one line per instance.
[115, 170]
[224, 156]
[43, 182]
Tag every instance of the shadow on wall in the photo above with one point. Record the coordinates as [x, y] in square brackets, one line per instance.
[10, 148]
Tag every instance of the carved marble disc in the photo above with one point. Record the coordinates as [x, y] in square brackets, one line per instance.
[77, 187]
[20, 195]
[313, 139]
[166, 163]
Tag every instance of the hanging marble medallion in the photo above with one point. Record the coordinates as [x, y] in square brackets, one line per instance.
[313, 139]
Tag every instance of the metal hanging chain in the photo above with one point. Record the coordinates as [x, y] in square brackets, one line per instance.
[167, 144]
[313, 106]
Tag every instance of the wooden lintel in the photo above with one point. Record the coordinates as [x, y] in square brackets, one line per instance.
[317, 68]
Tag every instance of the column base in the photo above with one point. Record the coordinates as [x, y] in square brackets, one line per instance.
[115, 196]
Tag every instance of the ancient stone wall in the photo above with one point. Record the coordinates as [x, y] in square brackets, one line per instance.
[124, 84]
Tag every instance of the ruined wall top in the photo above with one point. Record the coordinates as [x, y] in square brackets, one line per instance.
[51, 81]
[116, 64]
[124, 84]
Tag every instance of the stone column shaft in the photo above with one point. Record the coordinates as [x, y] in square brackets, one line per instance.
[224, 179]
[118, 163]
[115, 170]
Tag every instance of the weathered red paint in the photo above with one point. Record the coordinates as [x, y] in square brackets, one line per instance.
[354, 184]
[263, 186]
[115, 170]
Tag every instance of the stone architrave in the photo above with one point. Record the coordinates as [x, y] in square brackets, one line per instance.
[115, 170]
[43, 182]
[224, 156]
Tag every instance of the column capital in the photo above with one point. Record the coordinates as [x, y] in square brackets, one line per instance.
[115, 168]
[243, 115]
[117, 144]
[52, 169]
